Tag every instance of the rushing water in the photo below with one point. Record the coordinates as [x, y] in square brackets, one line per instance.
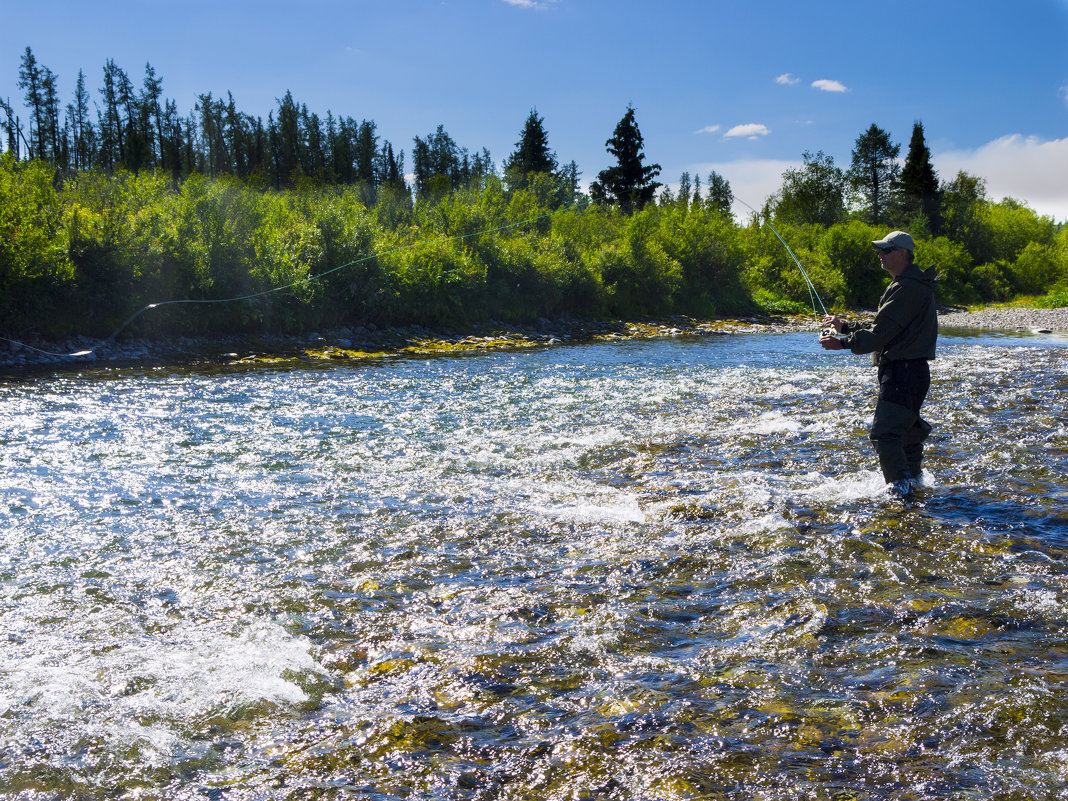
[637, 570]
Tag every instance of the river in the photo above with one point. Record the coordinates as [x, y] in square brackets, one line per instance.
[660, 569]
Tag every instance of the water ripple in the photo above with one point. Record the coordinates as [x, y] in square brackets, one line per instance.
[656, 570]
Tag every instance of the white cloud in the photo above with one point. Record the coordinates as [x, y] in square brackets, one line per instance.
[709, 129]
[825, 85]
[786, 79]
[1064, 93]
[530, 3]
[752, 181]
[1025, 168]
[752, 130]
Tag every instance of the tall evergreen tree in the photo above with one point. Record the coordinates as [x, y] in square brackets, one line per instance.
[151, 115]
[81, 127]
[235, 137]
[720, 196]
[316, 155]
[214, 153]
[919, 183]
[391, 168]
[11, 128]
[366, 148]
[531, 154]
[50, 97]
[172, 128]
[438, 165]
[289, 144]
[110, 120]
[874, 172]
[629, 183]
[134, 148]
[30, 77]
[685, 189]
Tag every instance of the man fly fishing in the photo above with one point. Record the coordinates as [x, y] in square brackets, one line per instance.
[901, 340]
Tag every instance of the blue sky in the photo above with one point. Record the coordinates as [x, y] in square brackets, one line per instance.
[743, 88]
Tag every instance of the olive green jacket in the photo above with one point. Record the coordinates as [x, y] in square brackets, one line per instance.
[906, 324]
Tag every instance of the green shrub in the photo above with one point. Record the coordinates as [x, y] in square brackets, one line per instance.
[992, 282]
[951, 262]
[849, 252]
[35, 272]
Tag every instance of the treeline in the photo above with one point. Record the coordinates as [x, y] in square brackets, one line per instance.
[100, 218]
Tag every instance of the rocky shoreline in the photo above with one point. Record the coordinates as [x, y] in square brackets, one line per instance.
[367, 342]
[1008, 319]
[372, 343]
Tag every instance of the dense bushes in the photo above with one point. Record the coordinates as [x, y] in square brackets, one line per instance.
[82, 255]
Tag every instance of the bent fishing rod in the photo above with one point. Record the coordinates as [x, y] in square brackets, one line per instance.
[813, 295]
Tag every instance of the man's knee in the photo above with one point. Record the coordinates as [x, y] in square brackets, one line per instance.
[892, 422]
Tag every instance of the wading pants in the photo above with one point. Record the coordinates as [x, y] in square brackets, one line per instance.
[898, 431]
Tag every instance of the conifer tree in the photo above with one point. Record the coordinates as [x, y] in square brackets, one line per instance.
[685, 188]
[81, 128]
[11, 128]
[150, 108]
[919, 183]
[874, 172]
[532, 154]
[366, 148]
[438, 165]
[630, 182]
[30, 82]
[720, 196]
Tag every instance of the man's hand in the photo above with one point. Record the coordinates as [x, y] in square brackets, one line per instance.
[831, 342]
[833, 321]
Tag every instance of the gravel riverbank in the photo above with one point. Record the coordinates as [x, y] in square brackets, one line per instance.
[1014, 319]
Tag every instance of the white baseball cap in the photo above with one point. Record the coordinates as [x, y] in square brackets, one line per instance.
[895, 239]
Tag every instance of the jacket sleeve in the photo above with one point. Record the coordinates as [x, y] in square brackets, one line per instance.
[894, 314]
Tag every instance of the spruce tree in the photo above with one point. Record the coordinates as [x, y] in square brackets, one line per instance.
[30, 81]
[630, 182]
[874, 172]
[919, 183]
[531, 155]
[720, 196]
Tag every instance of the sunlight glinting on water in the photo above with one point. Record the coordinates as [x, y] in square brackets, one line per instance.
[654, 570]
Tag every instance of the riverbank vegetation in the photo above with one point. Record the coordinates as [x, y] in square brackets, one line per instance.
[314, 224]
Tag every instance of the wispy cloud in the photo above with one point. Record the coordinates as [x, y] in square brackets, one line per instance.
[709, 129]
[1064, 93]
[752, 130]
[825, 85]
[1025, 168]
[786, 79]
[531, 3]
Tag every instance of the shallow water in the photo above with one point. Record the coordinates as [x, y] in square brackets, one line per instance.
[649, 570]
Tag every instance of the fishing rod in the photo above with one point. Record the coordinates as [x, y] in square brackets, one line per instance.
[298, 282]
[813, 295]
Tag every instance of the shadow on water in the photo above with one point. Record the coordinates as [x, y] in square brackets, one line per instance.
[1000, 517]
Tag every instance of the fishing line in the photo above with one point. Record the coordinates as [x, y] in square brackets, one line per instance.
[813, 295]
[307, 280]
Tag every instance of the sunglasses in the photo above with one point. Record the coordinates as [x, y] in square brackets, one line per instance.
[890, 249]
